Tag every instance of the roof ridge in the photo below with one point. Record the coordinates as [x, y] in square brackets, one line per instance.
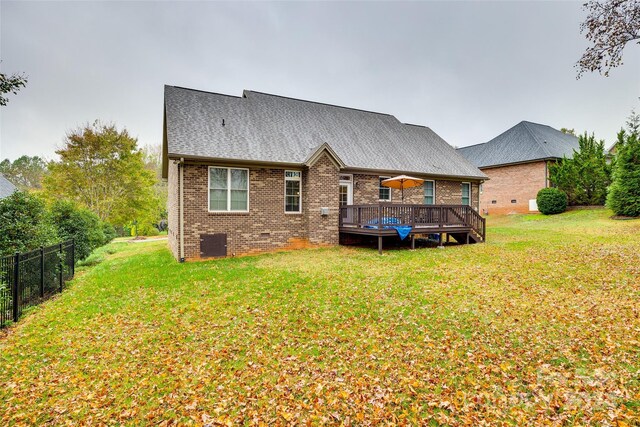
[535, 138]
[419, 126]
[202, 91]
[319, 103]
[536, 123]
[472, 145]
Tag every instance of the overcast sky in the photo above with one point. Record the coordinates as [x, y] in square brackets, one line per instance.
[467, 70]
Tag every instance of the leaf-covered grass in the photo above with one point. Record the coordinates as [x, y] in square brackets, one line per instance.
[539, 325]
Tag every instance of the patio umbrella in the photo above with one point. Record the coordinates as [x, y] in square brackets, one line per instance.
[402, 182]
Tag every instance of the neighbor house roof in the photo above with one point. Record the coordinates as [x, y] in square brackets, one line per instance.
[6, 187]
[525, 142]
[259, 127]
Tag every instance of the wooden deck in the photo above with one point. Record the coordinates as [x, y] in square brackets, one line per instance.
[461, 222]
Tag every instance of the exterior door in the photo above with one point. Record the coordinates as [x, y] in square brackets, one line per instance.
[346, 194]
[346, 197]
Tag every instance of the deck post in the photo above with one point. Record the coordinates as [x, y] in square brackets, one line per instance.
[380, 245]
[412, 209]
[440, 240]
[413, 241]
[448, 238]
[467, 238]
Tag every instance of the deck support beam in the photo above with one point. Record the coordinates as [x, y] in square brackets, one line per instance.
[413, 241]
[380, 245]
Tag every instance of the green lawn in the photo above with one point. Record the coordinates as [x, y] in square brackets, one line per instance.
[539, 325]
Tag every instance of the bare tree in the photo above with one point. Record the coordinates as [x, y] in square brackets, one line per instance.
[610, 25]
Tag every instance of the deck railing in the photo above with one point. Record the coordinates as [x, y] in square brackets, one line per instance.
[426, 216]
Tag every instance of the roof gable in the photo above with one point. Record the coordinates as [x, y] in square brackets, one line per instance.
[260, 127]
[524, 142]
[317, 154]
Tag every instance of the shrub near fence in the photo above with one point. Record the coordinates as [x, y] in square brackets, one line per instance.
[29, 278]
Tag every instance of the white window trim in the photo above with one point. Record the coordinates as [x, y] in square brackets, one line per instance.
[470, 193]
[285, 191]
[380, 186]
[228, 210]
[434, 190]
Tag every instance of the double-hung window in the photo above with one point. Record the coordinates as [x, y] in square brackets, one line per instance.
[228, 189]
[466, 193]
[429, 193]
[384, 193]
[292, 191]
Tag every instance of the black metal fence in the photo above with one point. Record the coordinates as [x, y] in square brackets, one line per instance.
[27, 279]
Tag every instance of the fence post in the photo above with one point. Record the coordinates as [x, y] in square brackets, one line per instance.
[41, 271]
[73, 257]
[60, 264]
[16, 280]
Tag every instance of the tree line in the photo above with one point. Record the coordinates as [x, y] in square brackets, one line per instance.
[102, 185]
[593, 176]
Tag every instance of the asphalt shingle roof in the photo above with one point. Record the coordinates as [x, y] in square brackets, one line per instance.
[271, 128]
[524, 142]
[6, 187]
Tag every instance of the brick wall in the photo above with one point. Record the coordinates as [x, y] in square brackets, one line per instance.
[475, 196]
[516, 182]
[266, 227]
[173, 210]
[447, 192]
[450, 193]
[322, 191]
[366, 190]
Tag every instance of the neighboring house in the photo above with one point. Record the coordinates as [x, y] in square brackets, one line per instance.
[517, 164]
[611, 152]
[6, 187]
[264, 172]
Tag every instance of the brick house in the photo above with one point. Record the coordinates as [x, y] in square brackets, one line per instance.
[517, 164]
[263, 172]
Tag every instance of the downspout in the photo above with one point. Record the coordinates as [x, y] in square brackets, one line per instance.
[181, 186]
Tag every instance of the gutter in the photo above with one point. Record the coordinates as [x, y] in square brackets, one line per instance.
[346, 169]
[545, 159]
[365, 171]
[237, 162]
